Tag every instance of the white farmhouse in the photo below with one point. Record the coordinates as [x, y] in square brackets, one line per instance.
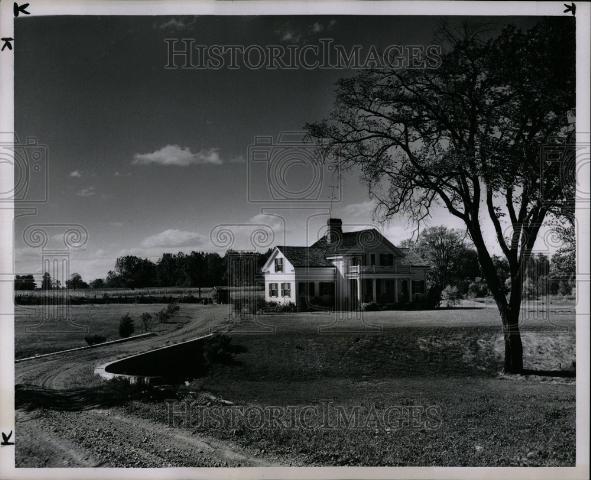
[343, 269]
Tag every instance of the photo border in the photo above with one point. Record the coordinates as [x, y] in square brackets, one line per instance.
[430, 8]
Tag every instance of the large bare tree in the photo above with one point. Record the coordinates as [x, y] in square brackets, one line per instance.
[472, 135]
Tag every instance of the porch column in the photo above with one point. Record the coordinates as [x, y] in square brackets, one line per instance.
[396, 290]
[410, 299]
[359, 290]
[374, 284]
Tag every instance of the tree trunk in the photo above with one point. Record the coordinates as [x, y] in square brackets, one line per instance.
[513, 345]
[509, 311]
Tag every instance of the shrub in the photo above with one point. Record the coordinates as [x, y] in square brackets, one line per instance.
[126, 326]
[370, 307]
[146, 321]
[529, 289]
[451, 295]
[478, 288]
[95, 339]
[172, 308]
[245, 305]
[564, 287]
[286, 307]
[463, 287]
[162, 316]
[429, 300]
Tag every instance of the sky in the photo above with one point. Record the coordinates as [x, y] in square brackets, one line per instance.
[150, 160]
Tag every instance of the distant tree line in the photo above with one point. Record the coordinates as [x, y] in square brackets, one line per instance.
[195, 269]
[455, 270]
[449, 252]
[24, 282]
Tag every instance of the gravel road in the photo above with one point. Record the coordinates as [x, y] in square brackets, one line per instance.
[95, 436]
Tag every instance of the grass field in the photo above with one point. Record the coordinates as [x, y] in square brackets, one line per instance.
[437, 371]
[446, 362]
[35, 336]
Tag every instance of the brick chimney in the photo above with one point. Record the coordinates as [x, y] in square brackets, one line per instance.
[335, 230]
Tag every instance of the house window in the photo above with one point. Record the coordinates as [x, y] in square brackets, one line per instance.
[326, 288]
[286, 289]
[387, 259]
[357, 260]
[311, 290]
[418, 286]
[273, 290]
[372, 258]
[279, 264]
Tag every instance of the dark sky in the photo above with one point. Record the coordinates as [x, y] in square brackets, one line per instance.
[94, 90]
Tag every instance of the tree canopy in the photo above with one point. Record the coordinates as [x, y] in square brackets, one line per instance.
[485, 134]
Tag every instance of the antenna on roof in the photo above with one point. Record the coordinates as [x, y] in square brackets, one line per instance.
[332, 198]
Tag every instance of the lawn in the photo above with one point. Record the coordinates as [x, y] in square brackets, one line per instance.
[426, 388]
[51, 336]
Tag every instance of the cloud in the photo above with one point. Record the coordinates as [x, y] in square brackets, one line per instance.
[293, 33]
[275, 222]
[116, 224]
[75, 174]
[290, 36]
[86, 192]
[178, 156]
[174, 238]
[119, 174]
[317, 27]
[360, 210]
[177, 24]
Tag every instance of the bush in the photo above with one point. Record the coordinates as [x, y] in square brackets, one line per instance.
[172, 308]
[95, 339]
[451, 295]
[245, 305]
[126, 326]
[430, 300]
[478, 288]
[280, 307]
[162, 316]
[564, 287]
[370, 307]
[146, 321]
[463, 287]
[529, 289]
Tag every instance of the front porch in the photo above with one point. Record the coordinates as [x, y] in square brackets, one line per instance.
[384, 290]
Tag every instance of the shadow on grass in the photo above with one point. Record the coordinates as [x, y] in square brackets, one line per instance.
[112, 393]
[551, 373]
[459, 307]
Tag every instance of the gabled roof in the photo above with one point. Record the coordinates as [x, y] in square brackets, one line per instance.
[355, 242]
[305, 256]
[348, 243]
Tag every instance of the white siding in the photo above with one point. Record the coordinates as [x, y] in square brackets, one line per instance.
[287, 276]
[279, 279]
